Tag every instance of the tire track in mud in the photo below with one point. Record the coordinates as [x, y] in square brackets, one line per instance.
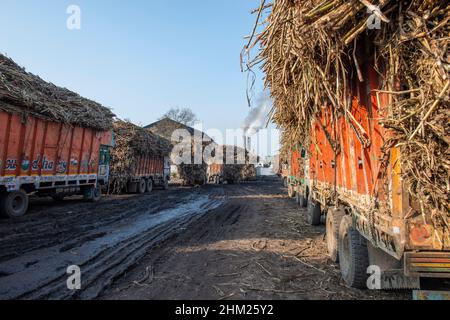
[71, 220]
[113, 245]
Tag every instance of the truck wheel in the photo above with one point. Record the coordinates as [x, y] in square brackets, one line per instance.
[149, 187]
[291, 191]
[92, 193]
[314, 213]
[303, 202]
[334, 218]
[14, 204]
[141, 186]
[353, 255]
[297, 198]
[165, 184]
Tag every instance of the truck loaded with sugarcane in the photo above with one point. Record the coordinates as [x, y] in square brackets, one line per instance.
[55, 143]
[52, 141]
[364, 113]
[139, 160]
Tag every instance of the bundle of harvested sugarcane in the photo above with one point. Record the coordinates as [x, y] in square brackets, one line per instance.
[309, 52]
[232, 173]
[132, 142]
[192, 172]
[237, 166]
[24, 93]
[248, 172]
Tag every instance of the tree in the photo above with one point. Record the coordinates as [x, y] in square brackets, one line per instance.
[182, 115]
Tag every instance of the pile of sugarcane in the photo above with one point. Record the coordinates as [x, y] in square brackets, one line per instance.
[238, 167]
[24, 93]
[248, 172]
[132, 142]
[308, 51]
[192, 173]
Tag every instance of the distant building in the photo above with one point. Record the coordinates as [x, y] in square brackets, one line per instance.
[165, 128]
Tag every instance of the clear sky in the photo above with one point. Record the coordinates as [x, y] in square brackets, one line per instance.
[138, 57]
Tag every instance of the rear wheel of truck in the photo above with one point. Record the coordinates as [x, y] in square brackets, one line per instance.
[92, 193]
[297, 198]
[141, 186]
[149, 186]
[334, 218]
[303, 202]
[14, 204]
[314, 213]
[165, 185]
[353, 255]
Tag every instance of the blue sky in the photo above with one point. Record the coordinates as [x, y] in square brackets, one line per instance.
[138, 57]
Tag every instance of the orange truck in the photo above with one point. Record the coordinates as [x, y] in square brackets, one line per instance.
[149, 172]
[215, 173]
[371, 222]
[53, 142]
[50, 159]
[139, 160]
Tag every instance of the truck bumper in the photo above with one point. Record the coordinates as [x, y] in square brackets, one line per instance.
[427, 264]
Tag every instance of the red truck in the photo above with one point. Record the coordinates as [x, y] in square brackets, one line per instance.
[215, 173]
[370, 218]
[139, 160]
[52, 141]
[149, 172]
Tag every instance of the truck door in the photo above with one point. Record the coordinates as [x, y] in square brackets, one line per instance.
[103, 168]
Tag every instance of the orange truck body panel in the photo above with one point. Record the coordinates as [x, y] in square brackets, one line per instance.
[215, 169]
[346, 155]
[356, 167]
[296, 167]
[40, 148]
[149, 166]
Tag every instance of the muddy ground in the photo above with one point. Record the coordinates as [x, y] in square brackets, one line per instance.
[244, 241]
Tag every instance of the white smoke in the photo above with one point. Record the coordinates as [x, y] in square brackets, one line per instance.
[258, 116]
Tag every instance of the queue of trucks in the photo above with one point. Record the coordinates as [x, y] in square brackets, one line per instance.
[357, 190]
[54, 143]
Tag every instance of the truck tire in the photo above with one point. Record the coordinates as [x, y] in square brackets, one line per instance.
[334, 218]
[141, 186]
[297, 198]
[353, 255]
[303, 202]
[314, 213]
[92, 193]
[14, 204]
[149, 186]
[165, 185]
[291, 191]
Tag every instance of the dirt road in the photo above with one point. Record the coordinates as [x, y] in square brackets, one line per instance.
[217, 242]
[103, 239]
[256, 246]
